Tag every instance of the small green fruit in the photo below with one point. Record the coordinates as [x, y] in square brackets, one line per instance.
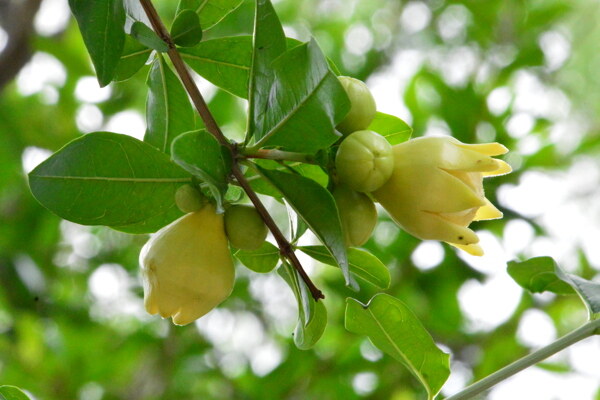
[363, 107]
[357, 213]
[364, 161]
[244, 227]
[189, 199]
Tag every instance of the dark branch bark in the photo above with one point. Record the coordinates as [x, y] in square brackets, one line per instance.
[16, 18]
[284, 246]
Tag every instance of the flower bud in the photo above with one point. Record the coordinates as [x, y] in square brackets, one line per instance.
[363, 107]
[244, 227]
[357, 214]
[364, 161]
[436, 189]
[187, 267]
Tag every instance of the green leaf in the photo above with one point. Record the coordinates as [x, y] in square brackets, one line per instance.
[538, 275]
[108, 179]
[312, 315]
[200, 154]
[8, 392]
[153, 223]
[186, 30]
[269, 43]
[304, 104]
[211, 12]
[168, 110]
[261, 260]
[101, 24]
[225, 62]
[315, 205]
[588, 291]
[362, 264]
[146, 36]
[133, 58]
[391, 127]
[541, 274]
[395, 330]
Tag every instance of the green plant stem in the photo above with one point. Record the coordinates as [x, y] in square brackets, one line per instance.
[212, 127]
[281, 155]
[589, 329]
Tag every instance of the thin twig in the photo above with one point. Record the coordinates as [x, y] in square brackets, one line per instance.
[212, 127]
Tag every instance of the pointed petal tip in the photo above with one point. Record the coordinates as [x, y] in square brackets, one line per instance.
[503, 169]
[473, 249]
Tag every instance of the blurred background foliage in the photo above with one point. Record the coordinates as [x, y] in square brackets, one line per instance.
[523, 73]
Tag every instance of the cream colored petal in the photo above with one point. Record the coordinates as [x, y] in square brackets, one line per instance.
[150, 301]
[503, 169]
[488, 149]
[435, 227]
[463, 159]
[472, 249]
[488, 211]
[443, 192]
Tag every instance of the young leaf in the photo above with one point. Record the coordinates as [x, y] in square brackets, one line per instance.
[133, 58]
[146, 36]
[315, 205]
[186, 30]
[108, 179]
[101, 24]
[211, 12]
[362, 264]
[588, 291]
[395, 330]
[304, 104]
[393, 128]
[225, 62]
[538, 275]
[312, 315]
[12, 393]
[269, 43]
[200, 154]
[261, 260]
[168, 110]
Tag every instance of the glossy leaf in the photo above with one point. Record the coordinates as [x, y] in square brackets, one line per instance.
[312, 315]
[269, 43]
[168, 109]
[101, 24]
[395, 330]
[200, 154]
[588, 291]
[8, 392]
[211, 12]
[304, 104]
[133, 58]
[146, 36]
[391, 127]
[538, 275]
[153, 223]
[186, 30]
[108, 179]
[315, 205]
[225, 62]
[541, 274]
[261, 260]
[362, 264]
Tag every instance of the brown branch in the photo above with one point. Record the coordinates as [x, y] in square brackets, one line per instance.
[16, 17]
[212, 127]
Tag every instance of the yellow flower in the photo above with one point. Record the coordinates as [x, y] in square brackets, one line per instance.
[187, 267]
[436, 189]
